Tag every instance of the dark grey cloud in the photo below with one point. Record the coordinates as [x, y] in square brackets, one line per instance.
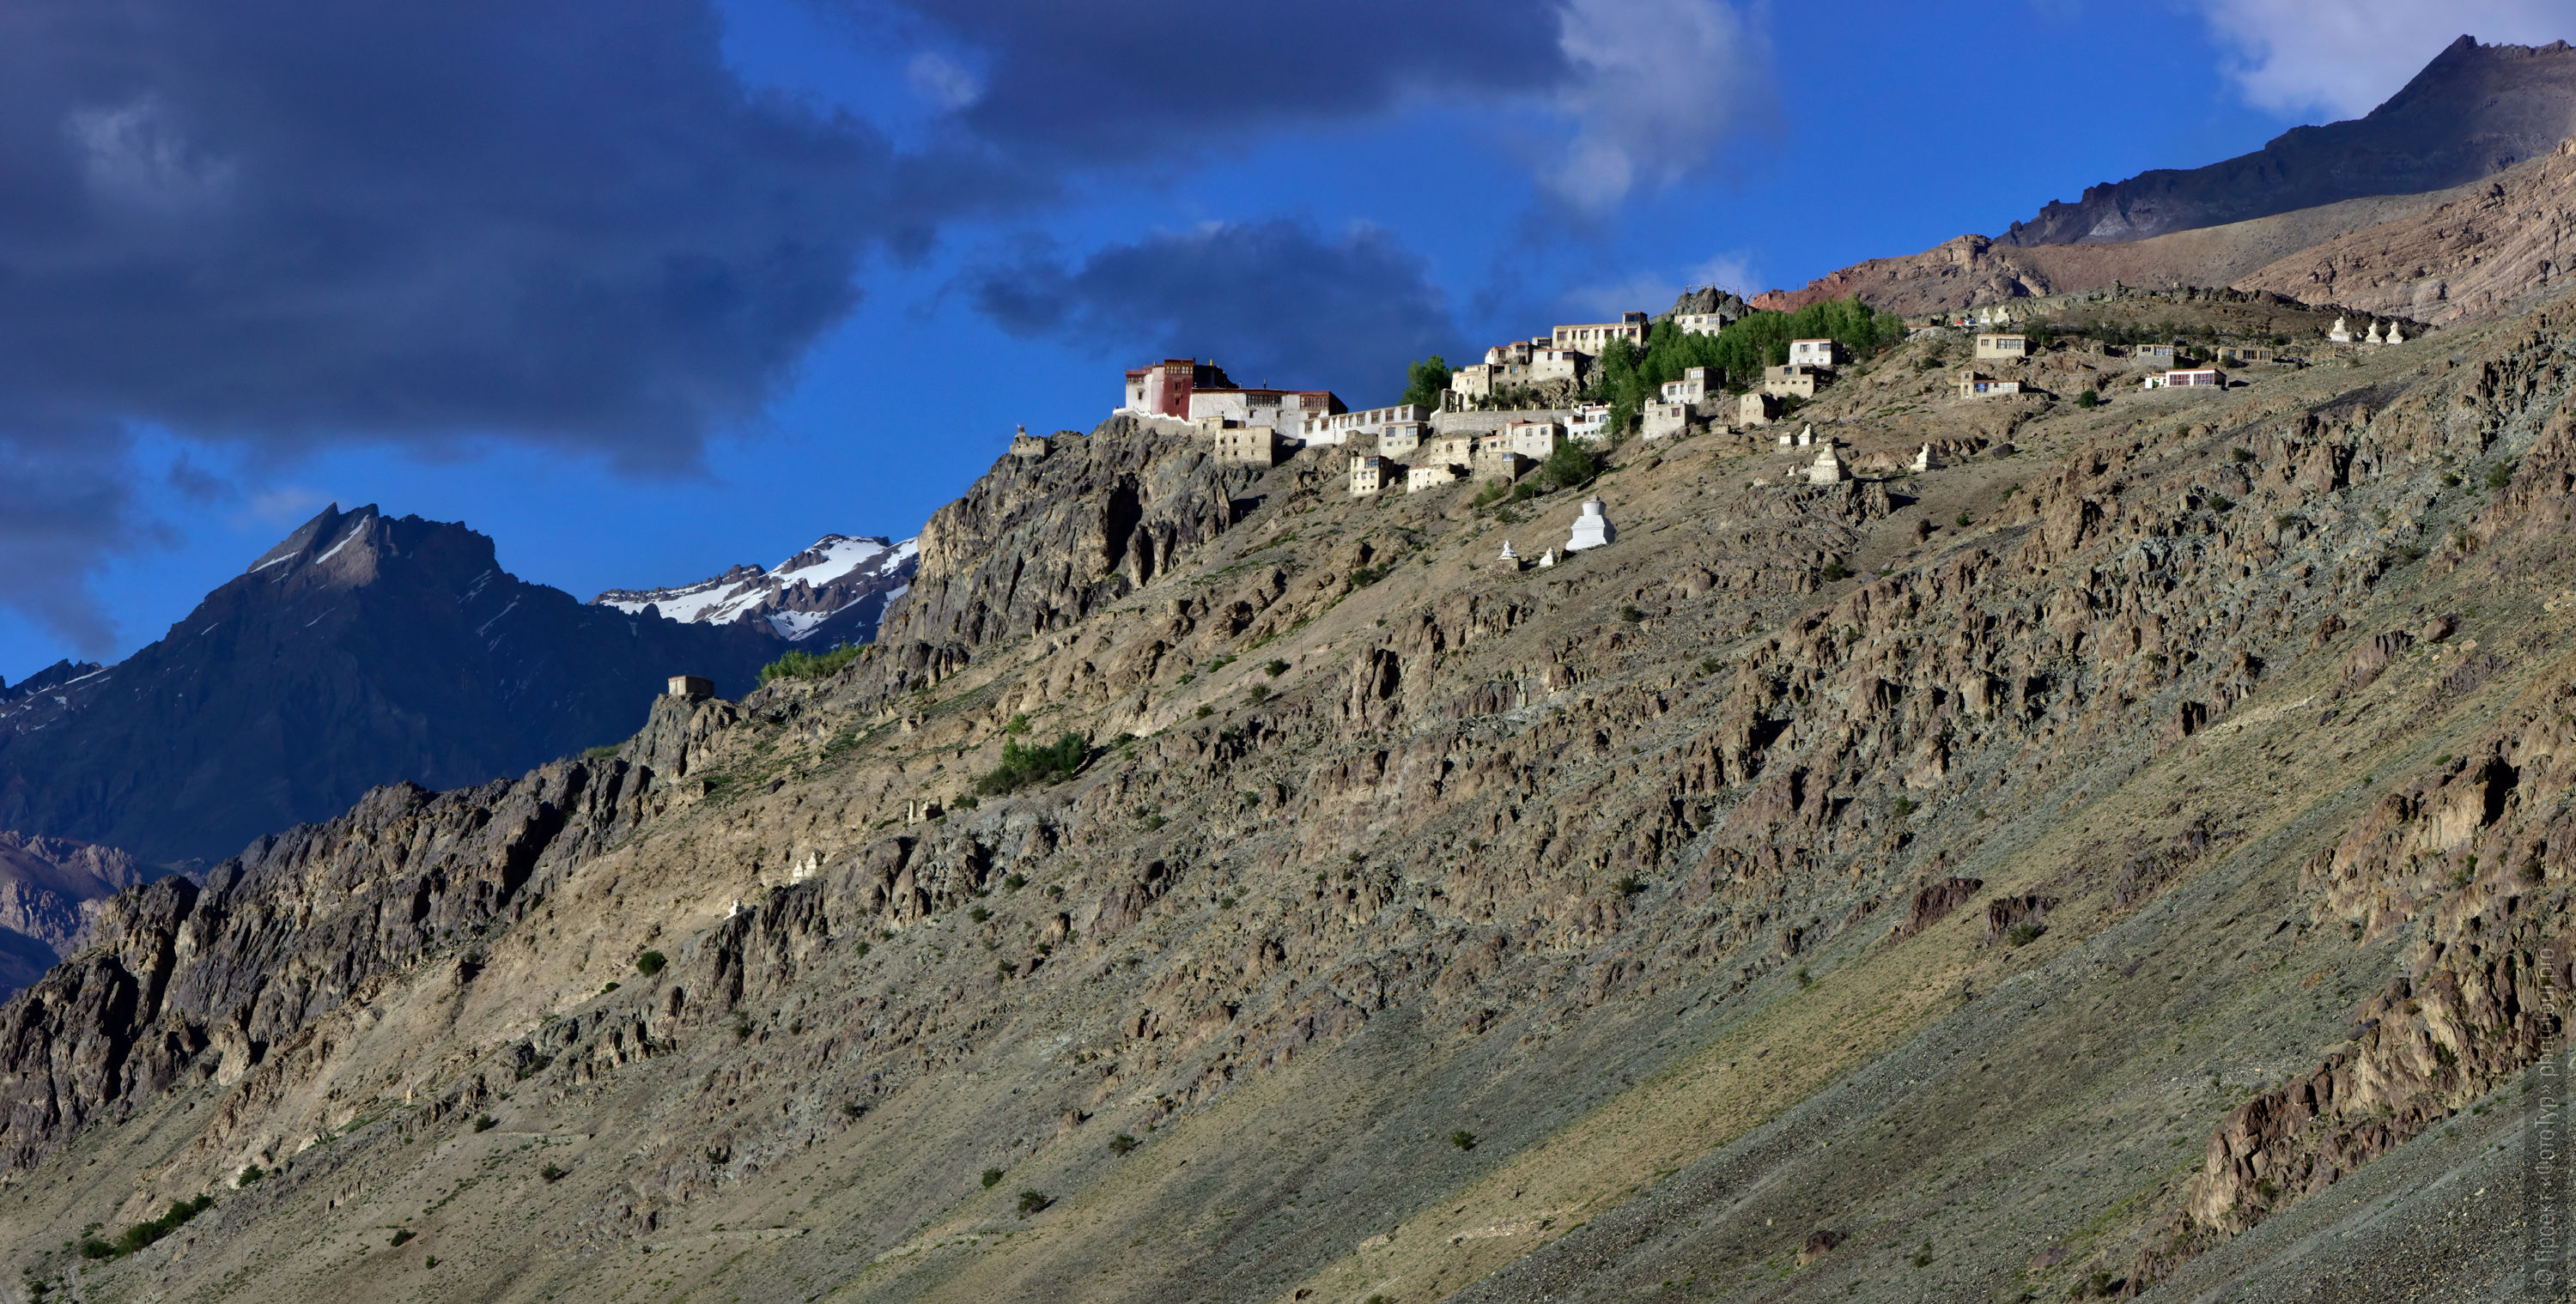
[1274, 302]
[277, 224]
[565, 221]
[1143, 81]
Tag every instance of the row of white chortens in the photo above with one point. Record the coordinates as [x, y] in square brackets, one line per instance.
[1591, 530]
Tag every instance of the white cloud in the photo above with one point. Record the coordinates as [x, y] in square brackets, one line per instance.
[1655, 292]
[135, 157]
[1732, 272]
[943, 82]
[2346, 57]
[1657, 86]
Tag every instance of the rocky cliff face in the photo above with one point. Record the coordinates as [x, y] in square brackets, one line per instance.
[2473, 111]
[363, 649]
[1939, 886]
[51, 890]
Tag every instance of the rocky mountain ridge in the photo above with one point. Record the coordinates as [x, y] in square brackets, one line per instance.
[363, 648]
[2328, 221]
[2475, 110]
[2041, 874]
[834, 592]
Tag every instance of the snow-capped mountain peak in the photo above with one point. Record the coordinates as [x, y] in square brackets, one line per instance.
[837, 588]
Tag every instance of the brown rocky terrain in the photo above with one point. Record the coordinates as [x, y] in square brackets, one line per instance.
[1972, 269]
[2119, 858]
[2472, 253]
[2495, 248]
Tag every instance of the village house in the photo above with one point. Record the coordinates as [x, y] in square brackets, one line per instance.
[1164, 389]
[1450, 450]
[1812, 353]
[2002, 348]
[1364, 425]
[1495, 461]
[1419, 478]
[2160, 354]
[1258, 445]
[1593, 337]
[1699, 323]
[1587, 421]
[1756, 409]
[1691, 388]
[1555, 364]
[1397, 438]
[1284, 410]
[2188, 378]
[1976, 386]
[1472, 382]
[1368, 475]
[1534, 439]
[1794, 380]
[1666, 420]
[692, 686]
[2241, 354]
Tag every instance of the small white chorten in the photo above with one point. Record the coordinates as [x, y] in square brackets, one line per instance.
[2373, 336]
[1927, 459]
[2341, 334]
[1806, 435]
[2393, 336]
[1508, 554]
[1829, 468]
[1591, 529]
[1547, 558]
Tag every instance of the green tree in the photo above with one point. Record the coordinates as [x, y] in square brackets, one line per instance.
[1425, 382]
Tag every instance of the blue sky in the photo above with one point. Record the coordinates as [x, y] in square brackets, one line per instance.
[663, 287]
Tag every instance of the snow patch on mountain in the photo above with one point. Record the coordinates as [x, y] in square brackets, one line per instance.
[839, 586]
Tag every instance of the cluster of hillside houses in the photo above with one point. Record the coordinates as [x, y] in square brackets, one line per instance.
[1469, 439]
[1421, 450]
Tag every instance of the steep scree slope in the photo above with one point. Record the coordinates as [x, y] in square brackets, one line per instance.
[2161, 827]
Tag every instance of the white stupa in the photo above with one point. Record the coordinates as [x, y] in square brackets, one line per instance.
[1547, 558]
[1508, 554]
[1591, 529]
[2341, 334]
[1829, 468]
[2373, 336]
[2393, 336]
[1806, 435]
[1927, 459]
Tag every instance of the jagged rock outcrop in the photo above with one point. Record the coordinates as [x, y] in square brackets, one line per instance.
[50, 891]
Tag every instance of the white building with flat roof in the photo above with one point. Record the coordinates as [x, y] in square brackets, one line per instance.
[1419, 478]
[1534, 439]
[1811, 353]
[1361, 426]
[1593, 337]
[1368, 475]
